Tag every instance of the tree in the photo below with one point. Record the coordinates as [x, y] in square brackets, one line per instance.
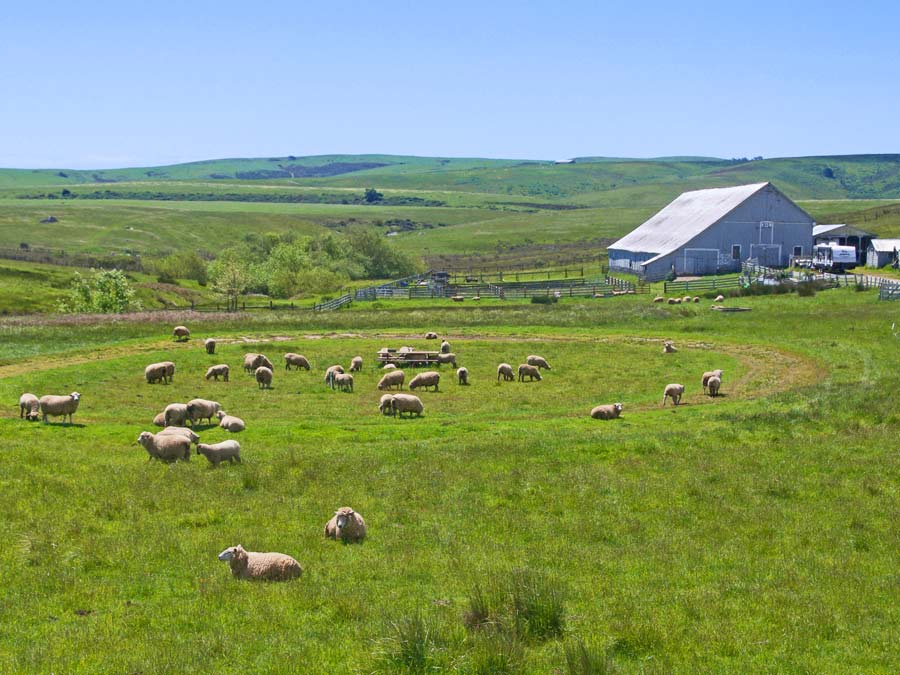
[372, 195]
[230, 278]
[105, 292]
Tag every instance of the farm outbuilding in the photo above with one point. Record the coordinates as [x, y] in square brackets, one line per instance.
[844, 235]
[882, 252]
[712, 231]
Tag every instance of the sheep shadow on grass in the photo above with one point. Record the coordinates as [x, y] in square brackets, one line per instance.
[76, 425]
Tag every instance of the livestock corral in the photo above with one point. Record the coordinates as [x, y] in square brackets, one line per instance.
[570, 514]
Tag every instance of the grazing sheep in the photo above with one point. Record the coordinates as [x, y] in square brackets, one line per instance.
[659, 298]
[446, 358]
[297, 360]
[343, 381]
[176, 415]
[264, 377]
[230, 422]
[607, 412]
[249, 361]
[181, 333]
[719, 298]
[220, 370]
[262, 362]
[219, 452]
[427, 379]
[264, 566]
[713, 385]
[462, 376]
[29, 407]
[506, 371]
[389, 366]
[56, 406]
[164, 370]
[431, 335]
[210, 344]
[200, 409]
[392, 379]
[168, 447]
[407, 403]
[669, 347]
[330, 374]
[718, 372]
[356, 364]
[180, 431]
[346, 525]
[386, 405]
[160, 419]
[673, 391]
[445, 347]
[538, 361]
[529, 371]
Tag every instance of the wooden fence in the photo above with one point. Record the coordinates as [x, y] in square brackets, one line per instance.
[704, 284]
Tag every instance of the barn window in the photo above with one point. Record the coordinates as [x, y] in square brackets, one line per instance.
[798, 251]
[736, 252]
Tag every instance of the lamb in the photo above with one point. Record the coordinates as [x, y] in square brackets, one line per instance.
[210, 344]
[506, 371]
[216, 371]
[219, 452]
[407, 403]
[264, 377]
[168, 447]
[346, 525]
[538, 361]
[230, 422]
[29, 407]
[719, 298]
[249, 361]
[462, 376]
[356, 364]
[607, 412]
[446, 358]
[265, 566]
[180, 431]
[669, 347]
[386, 405]
[344, 381]
[711, 373]
[175, 415]
[160, 419]
[431, 335]
[529, 371]
[181, 333]
[57, 406]
[427, 379]
[713, 385]
[297, 360]
[164, 370]
[201, 408]
[445, 347]
[391, 379]
[673, 391]
[389, 366]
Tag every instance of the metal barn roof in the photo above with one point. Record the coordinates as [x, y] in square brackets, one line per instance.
[885, 245]
[841, 230]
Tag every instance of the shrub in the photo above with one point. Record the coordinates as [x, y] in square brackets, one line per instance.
[105, 292]
[806, 289]
[543, 299]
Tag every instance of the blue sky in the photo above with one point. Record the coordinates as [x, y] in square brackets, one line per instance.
[105, 84]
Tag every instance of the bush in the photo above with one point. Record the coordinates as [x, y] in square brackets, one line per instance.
[806, 289]
[105, 292]
[543, 299]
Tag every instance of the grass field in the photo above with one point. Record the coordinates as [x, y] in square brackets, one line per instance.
[756, 532]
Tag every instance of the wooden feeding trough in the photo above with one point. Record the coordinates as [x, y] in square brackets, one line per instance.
[413, 358]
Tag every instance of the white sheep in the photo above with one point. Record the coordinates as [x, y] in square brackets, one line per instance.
[506, 371]
[407, 403]
[713, 384]
[659, 298]
[181, 333]
[330, 373]
[263, 566]
[537, 361]
[200, 409]
[180, 431]
[210, 344]
[29, 407]
[447, 358]
[669, 347]
[607, 412]
[249, 361]
[346, 525]
[219, 452]
[529, 371]
[297, 360]
[392, 379]
[386, 405]
[356, 364]
[230, 422]
[431, 335]
[343, 381]
[161, 446]
[696, 298]
[56, 406]
[264, 377]
[673, 391]
[175, 415]
[719, 298]
[222, 370]
[160, 419]
[389, 366]
[686, 299]
[430, 378]
[164, 370]
[718, 372]
[445, 347]
[462, 376]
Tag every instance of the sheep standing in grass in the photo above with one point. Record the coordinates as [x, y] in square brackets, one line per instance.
[447, 358]
[220, 452]
[264, 377]
[202, 409]
[609, 411]
[674, 392]
[386, 405]
[356, 364]
[505, 371]
[166, 447]
[343, 381]
[160, 419]
[230, 422]
[713, 384]
[181, 333]
[531, 372]
[210, 344]
[392, 379]
[222, 370]
[430, 378]
[669, 347]
[462, 376]
[176, 415]
[164, 370]
[445, 347]
[718, 372]
[346, 525]
[180, 431]
[262, 566]
[407, 403]
[29, 407]
[297, 360]
[59, 406]
[249, 361]
[537, 361]
[262, 362]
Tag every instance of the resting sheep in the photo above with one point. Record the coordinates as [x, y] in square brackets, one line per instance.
[164, 370]
[389, 366]
[407, 403]
[264, 377]
[216, 371]
[180, 431]
[181, 333]
[529, 371]
[346, 525]
[297, 360]
[200, 409]
[609, 411]
[356, 364]
[392, 379]
[711, 373]
[427, 379]
[719, 298]
[210, 344]
[659, 298]
[219, 452]
[506, 371]
[386, 405]
[56, 406]
[265, 566]
[445, 347]
[29, 407]
[713, 385]
[431, 335]
[446, 358]
[167, 447]
[696, 298]
[230, 422]
[175, 415]
[462, 376]
[669, 347]
[344, 381]
[686, 298]
[673, 391]
[537, 361]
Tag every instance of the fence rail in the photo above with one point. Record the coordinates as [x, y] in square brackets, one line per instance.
[705, 284]
[336, 303]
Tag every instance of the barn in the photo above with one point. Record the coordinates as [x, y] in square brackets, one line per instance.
[712, 231]
[882, 252]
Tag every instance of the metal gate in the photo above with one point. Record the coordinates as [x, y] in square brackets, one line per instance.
[700, 261]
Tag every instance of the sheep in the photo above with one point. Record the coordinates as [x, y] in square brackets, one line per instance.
[264, 377]
[686, 299]
[210, 344]
[719, 298]
[405, 350]
[175, 415]
[57, 406]
[262, 362]
[462, 376]
[430, 378]
[297, 360]
[346, 525]
[356, 364]
[713, 385]
[386, 405]
[538, 361]
[249, 360]
[718, 372]
[671, 301]
[330, 373]
[407, 403]
[529, 371]
[344, 381]
[219, 452]
[160, 419]
[29, 407]
[431, 335]
[265, 566]
[181, 333]
[673, 391]
[506, 371]
[230, 422]
[607, 412]
[669, 347]
[391, 379]
[445, 347]
[696, 298]
[161, 446]
[180, 431]
[164, 370]
[446, 358]
[201, 408]
[659, 298]
[216, 371]
[389, 366]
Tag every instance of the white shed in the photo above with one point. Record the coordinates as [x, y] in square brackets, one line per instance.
[882, 252]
